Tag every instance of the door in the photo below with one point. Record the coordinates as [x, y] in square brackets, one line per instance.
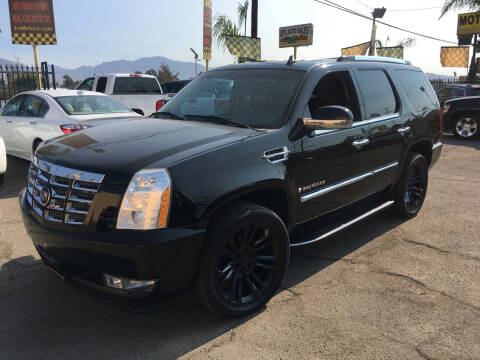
[389, 124]
[30, 125]
[330, 165]
[8, 123]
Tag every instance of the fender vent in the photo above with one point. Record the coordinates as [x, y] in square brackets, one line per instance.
[276, 155]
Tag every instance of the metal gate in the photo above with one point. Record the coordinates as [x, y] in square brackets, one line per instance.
[17, 78]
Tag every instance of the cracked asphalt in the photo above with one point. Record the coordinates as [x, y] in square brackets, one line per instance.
[383, 289]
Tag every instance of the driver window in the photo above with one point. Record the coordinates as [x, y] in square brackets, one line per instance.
[334, 89]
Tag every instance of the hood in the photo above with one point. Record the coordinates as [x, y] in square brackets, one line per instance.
[118, 151]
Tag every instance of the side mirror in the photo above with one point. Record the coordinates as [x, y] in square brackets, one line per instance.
[329, 118]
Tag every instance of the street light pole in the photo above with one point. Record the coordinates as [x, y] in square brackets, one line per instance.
[196, 58]
[376, 14]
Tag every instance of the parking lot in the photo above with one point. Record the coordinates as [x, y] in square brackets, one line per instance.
[384, 289]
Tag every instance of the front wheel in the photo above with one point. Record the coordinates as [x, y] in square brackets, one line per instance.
[466, 126]
[244, 260]
[411, 189]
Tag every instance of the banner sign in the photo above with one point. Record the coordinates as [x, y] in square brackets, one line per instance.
[245, 47]
[207, 29]
[391, 52]
[454, 56]
[32, 22]
[297, 35]
[360, 49]
[468, 23]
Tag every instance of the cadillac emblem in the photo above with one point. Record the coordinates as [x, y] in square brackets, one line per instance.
[44, 196]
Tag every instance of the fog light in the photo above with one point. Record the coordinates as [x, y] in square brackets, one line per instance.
[128, 284]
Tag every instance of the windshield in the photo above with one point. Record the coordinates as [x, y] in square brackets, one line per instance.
[91, 104]
[257, 98]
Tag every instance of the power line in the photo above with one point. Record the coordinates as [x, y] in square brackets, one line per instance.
[417, 9]
[350, 11]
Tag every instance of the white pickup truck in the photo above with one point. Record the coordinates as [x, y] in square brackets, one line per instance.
[141, 93]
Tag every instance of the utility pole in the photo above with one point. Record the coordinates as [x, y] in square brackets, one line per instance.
[376, 14]
[254, 31]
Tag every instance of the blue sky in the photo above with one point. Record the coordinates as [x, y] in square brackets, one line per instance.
[90, 32]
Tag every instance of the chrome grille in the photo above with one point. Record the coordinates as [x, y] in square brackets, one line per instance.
[61, 194]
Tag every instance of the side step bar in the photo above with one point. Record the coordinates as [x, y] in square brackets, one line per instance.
[346, 225]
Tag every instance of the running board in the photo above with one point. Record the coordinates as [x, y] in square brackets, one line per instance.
[345, 225]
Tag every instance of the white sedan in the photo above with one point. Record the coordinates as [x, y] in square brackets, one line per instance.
[35, 116]
[3, 160]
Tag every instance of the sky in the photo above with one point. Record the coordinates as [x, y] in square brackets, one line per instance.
[93, 31]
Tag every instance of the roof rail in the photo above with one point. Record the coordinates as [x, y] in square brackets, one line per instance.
[374, 58]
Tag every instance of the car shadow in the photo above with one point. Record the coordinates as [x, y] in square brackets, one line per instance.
[41, 314]
[451, 139]
[15, 177]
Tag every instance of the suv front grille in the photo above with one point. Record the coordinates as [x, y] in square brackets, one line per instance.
[61, 194]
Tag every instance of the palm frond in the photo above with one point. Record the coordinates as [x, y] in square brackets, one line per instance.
[222, 28]
[242, 13]
[450, 5]
[407, 42]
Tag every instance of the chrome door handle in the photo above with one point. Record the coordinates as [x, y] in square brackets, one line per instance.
[33, 122]
[9, 121]
[404, 130]
[360, 143]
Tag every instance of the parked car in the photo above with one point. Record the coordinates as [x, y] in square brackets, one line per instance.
[216, 199]
[457, 91]
[462, 116]
[172, 87]
[34, 116]
[3, 160]
[141, 93]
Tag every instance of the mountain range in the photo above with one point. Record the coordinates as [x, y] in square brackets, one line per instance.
[185, 69]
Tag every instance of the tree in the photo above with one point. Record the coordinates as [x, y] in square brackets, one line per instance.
[69, 83]
[163, 74]
[242, 12]
[450, 5]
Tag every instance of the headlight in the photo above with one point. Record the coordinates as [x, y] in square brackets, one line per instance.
[146, 203]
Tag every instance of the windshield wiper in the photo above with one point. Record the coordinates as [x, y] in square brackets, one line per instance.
[175, 116]
[221, 120]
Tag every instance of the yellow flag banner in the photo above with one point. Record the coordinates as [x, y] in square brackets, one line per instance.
[360, 49]
[391, 52]
[454, 56]
[244, 47]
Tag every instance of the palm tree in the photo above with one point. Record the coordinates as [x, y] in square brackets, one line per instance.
[223, 28]
[242, 11]
[450, 5]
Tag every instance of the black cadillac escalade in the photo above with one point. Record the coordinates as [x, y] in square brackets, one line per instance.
[243, 163]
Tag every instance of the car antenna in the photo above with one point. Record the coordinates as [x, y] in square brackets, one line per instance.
[290, 60]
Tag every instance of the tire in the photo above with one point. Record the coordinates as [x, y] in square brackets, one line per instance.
[35, 145]
[466, 126]
[2, 178]
[244, 260]
[410, 191]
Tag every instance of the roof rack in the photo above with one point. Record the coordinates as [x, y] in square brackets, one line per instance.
[374, 58]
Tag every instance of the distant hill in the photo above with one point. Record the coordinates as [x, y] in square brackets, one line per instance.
[186, 70]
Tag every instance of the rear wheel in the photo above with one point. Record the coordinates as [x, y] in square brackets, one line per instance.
[410, 192]
[466, 126]
[244, 260]
[2, 178]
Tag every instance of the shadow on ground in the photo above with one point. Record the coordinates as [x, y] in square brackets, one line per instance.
[15, 178]
[453, 140]
[41, 314]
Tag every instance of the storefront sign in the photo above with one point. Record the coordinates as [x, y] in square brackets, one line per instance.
[297, 35]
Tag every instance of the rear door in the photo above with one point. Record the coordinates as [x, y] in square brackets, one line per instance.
[9, 121]
[388, 125]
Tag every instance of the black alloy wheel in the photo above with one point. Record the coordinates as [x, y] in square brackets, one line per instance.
[410, 192]
[244, 261]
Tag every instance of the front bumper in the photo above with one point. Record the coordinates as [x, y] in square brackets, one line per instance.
[169, 255]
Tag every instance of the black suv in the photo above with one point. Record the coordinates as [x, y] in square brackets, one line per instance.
[246, 162]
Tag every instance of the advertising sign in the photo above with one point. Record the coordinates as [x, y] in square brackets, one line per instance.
[32, 22]
[207, 29]
[297, 35]
[245, 47]
[468, 23]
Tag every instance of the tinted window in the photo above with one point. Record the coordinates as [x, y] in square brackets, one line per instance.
[255, 97]
[12, 108]
[418, 89]
[101, 84]
[33, 106]
[377, 93]
[88, 105]
[136, 85]
[86, 84]
[475, 92]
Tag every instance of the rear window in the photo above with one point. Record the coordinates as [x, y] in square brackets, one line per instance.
[89, 105]
[136, 85]
[377, 93]
[418, 89]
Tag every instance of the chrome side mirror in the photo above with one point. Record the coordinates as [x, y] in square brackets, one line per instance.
[329, 118]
